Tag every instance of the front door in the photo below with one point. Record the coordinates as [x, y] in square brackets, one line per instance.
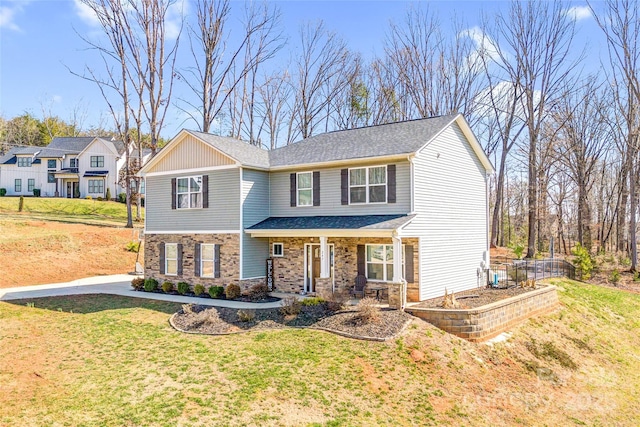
[312, 273]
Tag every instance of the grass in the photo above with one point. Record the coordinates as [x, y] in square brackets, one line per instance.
[112, 361]
[83, 211]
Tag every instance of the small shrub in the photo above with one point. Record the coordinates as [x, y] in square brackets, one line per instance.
[624, 261]
[88, 198]
[122, 197]
[108, 195]
[232, 291]
[150, 284]
[183, 288]
[196, 319]
[3, 192]
[187, 308]
[368, 311]
[99, 199]
[333, 306]
[167, 287]
[449, 300]
[198, 289]
[216, 291]
[133, 247]
[518, 250]
[312, 301]
[636, 276]
[137, 283]
[291, 306]
[258, 292]
[21, 204]
[615, 276]
[36, 192]
[584, 262]
[246, 315]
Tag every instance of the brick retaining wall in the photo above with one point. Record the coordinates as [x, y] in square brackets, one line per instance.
[483, 323]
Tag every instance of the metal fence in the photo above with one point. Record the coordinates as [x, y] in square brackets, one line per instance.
[504, 275]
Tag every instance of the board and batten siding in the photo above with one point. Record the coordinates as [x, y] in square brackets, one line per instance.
[223, 212]
[98, 148]
[330, 194]
[191, 153]
[451, 203]
[255, 208]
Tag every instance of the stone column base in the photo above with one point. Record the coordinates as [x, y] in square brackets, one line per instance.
[397, 295]
[324, 287]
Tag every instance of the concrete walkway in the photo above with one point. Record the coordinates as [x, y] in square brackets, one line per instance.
[120, 284]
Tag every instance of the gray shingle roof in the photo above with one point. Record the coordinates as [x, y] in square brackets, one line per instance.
[345, 222]
[10, 156]
[247, 154]
[373, 141]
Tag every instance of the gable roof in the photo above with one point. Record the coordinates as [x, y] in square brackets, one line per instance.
[10, 157]
[392, 139]
[60, 146]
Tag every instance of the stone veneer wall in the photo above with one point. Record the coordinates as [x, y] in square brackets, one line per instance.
[289, 269]
[229, 258]
[488, 321]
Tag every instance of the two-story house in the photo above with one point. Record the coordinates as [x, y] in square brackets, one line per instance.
[69, 167]
[400, 202]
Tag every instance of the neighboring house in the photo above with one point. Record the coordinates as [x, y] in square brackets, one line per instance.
[69, 167]
[397, 202]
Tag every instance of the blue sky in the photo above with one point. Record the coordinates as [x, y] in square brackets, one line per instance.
[38, 41]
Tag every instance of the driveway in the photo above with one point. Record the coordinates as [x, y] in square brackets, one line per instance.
[119, 284]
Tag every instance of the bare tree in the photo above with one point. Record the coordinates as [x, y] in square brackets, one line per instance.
[274, 93]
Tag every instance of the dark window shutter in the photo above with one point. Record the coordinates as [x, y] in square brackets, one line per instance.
[361, 260]
[196, 260]
[344, 185]
[161, 253]
[173, 192]
[408, 263]
[391, 183]
[205, 191]
[292, 190]
[316, 188]
[179, 245]
[216, 261]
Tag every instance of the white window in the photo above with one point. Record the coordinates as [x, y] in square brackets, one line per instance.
[97, 161]
[380, 262]
[24, 162]
[17, 184]
[96, 186]
[73, 163]
[51, 164]
[305, 188]
[31, 184]
[277, 250]
[207, 260]
[368, 185]
[171, 259]
[189, 192]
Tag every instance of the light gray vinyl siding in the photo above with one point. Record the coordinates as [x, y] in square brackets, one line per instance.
[451, 207]
[330, 195]
[223, 212]
[255, 208]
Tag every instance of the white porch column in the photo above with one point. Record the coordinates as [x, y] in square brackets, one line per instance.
[324, 258]
[397, 259]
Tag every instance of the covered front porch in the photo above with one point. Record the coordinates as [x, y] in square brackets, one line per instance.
[312, 255]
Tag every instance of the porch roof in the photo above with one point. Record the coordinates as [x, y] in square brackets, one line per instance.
[335, 226]
[95, 173]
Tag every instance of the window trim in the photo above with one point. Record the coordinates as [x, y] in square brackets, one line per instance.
[31, 184]
[17, 185]
[99, 161]
[212, 260]
[74, 162]
[384, 264]
[367, 186]
[55, 164]
[99, 181]
[298, 189]
[189, 192]
[167, 259]
[273, 250]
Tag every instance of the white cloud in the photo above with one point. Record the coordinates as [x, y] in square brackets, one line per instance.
[485, 45]
[8, 14]
[87, 14]
[57, 99]
[578, 13]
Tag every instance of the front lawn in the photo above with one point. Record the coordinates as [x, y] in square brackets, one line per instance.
[113, 361]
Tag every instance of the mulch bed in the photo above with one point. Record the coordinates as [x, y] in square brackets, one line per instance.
[205, 295]
[222, 320]
[475, 298]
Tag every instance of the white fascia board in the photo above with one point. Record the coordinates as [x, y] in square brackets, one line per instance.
[192, 232]
[321, 232]
[347, 162]
[189, 171]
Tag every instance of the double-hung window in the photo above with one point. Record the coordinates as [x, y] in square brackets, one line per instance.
[380, 262]
[189, 192]
[305, 188]
[51, 169]
[17, 185]
[31, 184]
[207, 260]
[24, 162]
[96, 186]
[171, 259]
[97, 161]
[368, 185]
